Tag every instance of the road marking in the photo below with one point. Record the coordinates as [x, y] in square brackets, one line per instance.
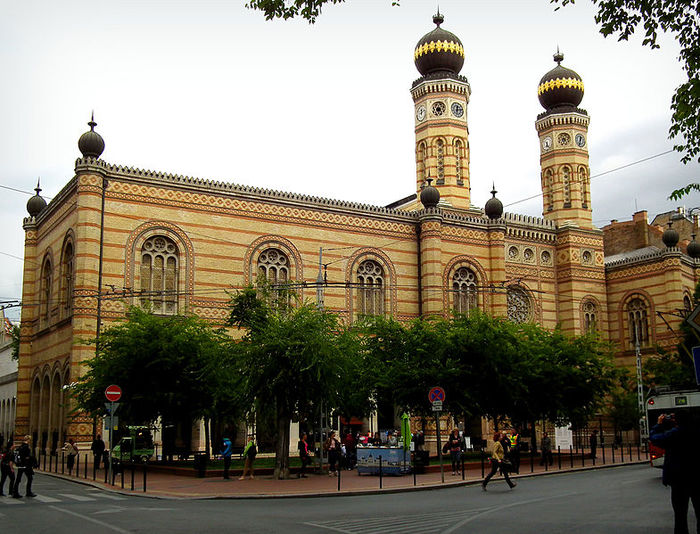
[81, 498]
[44, 498]
[111, 497]
[86, 518]
[11, 501]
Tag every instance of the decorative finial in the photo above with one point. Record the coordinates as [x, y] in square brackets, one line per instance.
[38, 186]
[438, 19]
[493, 189]
[429, 180]
[558, 57]
[92, 122]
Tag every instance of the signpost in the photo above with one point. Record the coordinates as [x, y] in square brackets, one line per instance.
[113, 393]
[696, 361]
[436, 396]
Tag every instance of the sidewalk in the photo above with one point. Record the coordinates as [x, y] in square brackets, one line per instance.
[168, 485]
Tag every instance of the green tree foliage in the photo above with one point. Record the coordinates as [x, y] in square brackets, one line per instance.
[15, 342]
[491, 367]
[678, 18]
[291, 358]
[623, 408]
[167, 366]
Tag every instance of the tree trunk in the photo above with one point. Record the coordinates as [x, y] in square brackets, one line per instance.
[282, 447]
[533, 436]
[207, 443]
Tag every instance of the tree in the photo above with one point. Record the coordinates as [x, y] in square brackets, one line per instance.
[15, 342]
[292, 357]
[167, 366]
[680, 19]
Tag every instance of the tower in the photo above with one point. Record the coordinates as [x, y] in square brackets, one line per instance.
[441, 96]
[563, 134]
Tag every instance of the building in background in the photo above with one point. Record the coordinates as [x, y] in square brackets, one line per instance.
[8, 381]
[116, 236]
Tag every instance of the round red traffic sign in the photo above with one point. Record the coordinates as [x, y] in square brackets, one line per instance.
[436, 394]
[113, 393]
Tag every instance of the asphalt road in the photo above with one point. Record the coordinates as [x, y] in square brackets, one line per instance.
[623, 500]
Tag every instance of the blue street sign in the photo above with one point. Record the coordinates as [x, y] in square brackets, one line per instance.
[436, 394]
[696, 361]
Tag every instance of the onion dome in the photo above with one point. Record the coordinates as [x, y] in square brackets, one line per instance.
[494, 207]
[429, 196]
[439, 51]
[560, 88]
[670, 236]
[693, 248]
[91, 143]
[36, 204]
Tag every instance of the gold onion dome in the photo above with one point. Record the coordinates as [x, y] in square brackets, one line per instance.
[561, 88]
[439, 51]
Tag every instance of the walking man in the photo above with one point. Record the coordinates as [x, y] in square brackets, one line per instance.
[98, 451]
[594, 443]
[25, 466]
[226, 451]
[7, 468]
[546, 450]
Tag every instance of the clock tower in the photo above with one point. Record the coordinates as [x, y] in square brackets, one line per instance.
[441, 96]
[563, 135]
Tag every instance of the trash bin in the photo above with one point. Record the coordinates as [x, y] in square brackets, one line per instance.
[200, 464]
[420, 461]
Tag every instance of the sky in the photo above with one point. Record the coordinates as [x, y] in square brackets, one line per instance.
[211, 89]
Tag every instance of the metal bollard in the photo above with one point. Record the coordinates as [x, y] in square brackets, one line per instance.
[50, 462]
[339, 471]
[622, 453]
[612, 451]
[593, 457]
[45, 462]
[559, 456]
[77, 465]
[380, 472]
[145, 471]
[629, 450]
[482, 462]
[85, 470]
[63, 464]
[132, 476]
[602, 449]
[462, 457]
[532, 463]
[571, 456]
[414, 468]
[583, 458]
[639, 453]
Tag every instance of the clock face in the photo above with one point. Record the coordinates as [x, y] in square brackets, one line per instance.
[457, 109]
[420, 113]
[438, 109]
[580, 140]
[547, 143]
[564, 139]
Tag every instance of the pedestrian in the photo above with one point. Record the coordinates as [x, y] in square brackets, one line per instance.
[376, 441]
[593, 440]
[303, 447]
[350, 444]
[678, 435]
[72, 449]
[454, 445]
[225, 453]
[332, 447]
[546, 450]
[249, 453]
[497, 459]
[98, 450]
[25, 462]
[7, 468]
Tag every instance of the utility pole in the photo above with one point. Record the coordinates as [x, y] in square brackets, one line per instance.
[643, 423]
[319, 280]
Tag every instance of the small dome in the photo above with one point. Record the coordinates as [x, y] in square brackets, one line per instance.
[670, 236]
[560, 88]
[91, 144]
[494, 207]
[439, 51]
[693, 248]
[36, 204]
[429, 196]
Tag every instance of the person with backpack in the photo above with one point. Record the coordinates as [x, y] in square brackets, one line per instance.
[249, 453]
[25, 462]
[7, 468]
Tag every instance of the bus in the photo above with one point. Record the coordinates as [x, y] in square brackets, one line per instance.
[667, 402]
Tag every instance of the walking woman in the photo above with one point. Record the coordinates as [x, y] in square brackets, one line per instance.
[7, 468]
[332, 446]
[497, 457]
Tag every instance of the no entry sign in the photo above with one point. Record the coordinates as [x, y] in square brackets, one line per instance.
[113, 393]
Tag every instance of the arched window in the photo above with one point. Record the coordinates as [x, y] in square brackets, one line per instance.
[159, 274]
[464, 290]
[67, 279]
[519, 306]
[45, 295]
[585, 187]
[370, 288]
[273, 265]
[459, 156]
[422, 175]
[440, 148]
[687, 304]
[566, 185]
[638, 322]
[547, 190]
[590, 316]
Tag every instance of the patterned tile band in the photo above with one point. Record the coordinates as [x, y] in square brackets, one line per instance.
[550, 85]
[439, 46]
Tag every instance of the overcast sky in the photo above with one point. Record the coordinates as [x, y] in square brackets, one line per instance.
[210, 89]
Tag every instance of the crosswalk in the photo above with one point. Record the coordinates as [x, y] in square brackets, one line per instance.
[91, 495]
